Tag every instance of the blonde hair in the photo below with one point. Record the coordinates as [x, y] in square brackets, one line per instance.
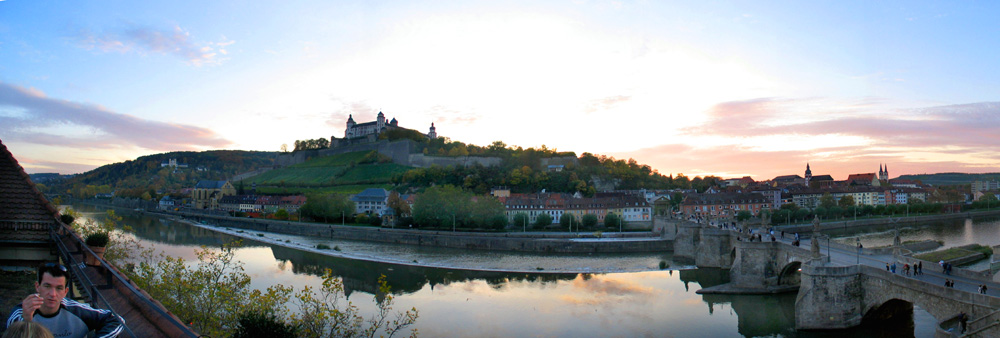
[27, 330]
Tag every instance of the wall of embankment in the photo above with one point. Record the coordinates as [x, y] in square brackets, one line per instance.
[550, 243]
[847, 224]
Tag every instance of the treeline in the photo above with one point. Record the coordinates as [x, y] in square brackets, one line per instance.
[449, 206]
[521, 171]
[320, 143]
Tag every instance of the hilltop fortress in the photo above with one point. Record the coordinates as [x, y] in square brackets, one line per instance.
[365, 137]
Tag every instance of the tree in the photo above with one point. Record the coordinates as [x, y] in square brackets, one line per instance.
[441, 206]
[846, 201]
[399, 207]
[827, 201]
[611, 220]
[375, 220]
[264, 324]
[589, 221]
[743, 215]
[327, 207]
[209, 294]
[281, 214]
[521, 220]
[567, 219]
[325, 314]
[543, 220]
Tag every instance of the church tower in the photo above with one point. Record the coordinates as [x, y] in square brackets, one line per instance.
[809, 174]
[433, 134]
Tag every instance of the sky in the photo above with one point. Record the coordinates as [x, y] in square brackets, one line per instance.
[725, 88]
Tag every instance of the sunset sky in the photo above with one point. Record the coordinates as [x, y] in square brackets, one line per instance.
[735, 88]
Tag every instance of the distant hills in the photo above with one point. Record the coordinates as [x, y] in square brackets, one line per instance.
[521, 170]
[952, 178]
[147, 174]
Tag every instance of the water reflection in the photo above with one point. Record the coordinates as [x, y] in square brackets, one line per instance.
[463, 303]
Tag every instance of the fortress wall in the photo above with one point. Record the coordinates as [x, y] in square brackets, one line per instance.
[424, 161]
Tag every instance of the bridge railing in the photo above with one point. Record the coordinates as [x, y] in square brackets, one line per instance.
[163, 319]
[991, 320]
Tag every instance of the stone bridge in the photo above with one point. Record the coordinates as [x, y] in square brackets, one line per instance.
[834, 292]
[836, 297]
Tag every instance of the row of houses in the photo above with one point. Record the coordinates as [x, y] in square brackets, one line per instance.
[262, 204]
[727, 204]
[630, 207]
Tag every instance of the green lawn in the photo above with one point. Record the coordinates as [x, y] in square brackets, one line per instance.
[337, 173]
[340, 160]
[948, 254]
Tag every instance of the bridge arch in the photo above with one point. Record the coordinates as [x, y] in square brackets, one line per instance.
[892, 311]
[790, 274]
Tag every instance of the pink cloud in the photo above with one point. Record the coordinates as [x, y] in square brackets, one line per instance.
[891, 134]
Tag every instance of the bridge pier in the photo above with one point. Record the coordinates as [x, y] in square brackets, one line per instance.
[705, 247]
[830, 297]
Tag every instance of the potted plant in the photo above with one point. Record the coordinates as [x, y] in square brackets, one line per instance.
[97, 242]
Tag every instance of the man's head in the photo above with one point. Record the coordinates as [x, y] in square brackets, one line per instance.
[52, 286]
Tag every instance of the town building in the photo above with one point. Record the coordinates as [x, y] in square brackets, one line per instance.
[723, 205]
[206, 194]
[629, 206]
[371, 201]
[978, 186]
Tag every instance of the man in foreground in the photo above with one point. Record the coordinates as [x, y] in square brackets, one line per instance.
[64, 317]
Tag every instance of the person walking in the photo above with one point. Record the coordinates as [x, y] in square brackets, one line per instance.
[887, 266]
[963, 319]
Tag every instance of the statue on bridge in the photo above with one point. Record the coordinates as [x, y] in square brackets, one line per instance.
[815, 238]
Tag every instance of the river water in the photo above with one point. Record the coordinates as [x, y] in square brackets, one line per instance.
[641, 301]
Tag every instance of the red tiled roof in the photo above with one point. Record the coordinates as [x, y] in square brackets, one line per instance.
[19, 200]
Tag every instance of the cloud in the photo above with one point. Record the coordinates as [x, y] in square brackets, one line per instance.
[964, 125]
[176, 42]
[605, 103]
[108, 129]
[453, 117]
[773, 136]
[360, 110]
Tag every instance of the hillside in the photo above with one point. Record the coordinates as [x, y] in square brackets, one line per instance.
[145, 174]
[345, 173]
[952, 178]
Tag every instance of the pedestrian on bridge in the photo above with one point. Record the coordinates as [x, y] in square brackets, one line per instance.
[964, 320]
[887, 266]
[893, 267]
[906, 269]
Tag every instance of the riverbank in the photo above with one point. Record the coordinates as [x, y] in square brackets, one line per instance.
[547, 264]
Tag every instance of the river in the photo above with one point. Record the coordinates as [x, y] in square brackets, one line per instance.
[642, 302]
